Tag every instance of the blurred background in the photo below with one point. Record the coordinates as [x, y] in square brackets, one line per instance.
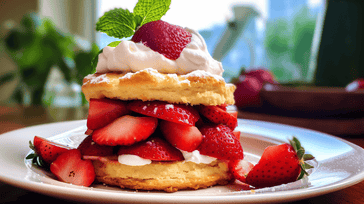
[47, 45]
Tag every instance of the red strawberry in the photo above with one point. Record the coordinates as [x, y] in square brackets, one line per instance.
[154, 148]
[233, 111]
[219, 116]
[237, 134]
[177, 113]
[125, 130]
[263, 75]
[223, 106]
[47, 150]
[104, 111]
[164, 38]
[37, 140]
[70, 168]
[233, 121]
[220, 142]
[247, 93]
[90, 148]
[240, 169]
[279, 164]
[184, 137]
[88, 132]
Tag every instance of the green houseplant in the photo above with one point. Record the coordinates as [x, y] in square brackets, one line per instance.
[37, 46]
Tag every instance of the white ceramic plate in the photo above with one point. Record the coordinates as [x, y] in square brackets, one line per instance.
[338, 165]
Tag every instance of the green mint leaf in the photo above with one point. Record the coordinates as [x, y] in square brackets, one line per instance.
[138, 20]
[151, 10]
[114, 44]
[119, 23]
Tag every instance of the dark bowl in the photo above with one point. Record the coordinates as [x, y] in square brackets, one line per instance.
[312, 101]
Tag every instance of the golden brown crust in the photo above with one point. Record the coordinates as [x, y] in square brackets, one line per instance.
[166, 176]
[150, 85]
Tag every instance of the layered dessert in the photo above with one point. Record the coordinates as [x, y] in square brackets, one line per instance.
[169, 120]
[158, 119]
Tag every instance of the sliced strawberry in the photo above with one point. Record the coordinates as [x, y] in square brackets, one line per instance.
[223, 106]
[219, 116]
[164, 38]
[154, 148]
[70, 168]
[125, 130]
[177, 113]
[279, 164]
[47, 150]
[104, 111]
[183, 137]
[220, 142]
[237, 134]
[240, 169]
[90, 148]
[233, 113]
[233, 121]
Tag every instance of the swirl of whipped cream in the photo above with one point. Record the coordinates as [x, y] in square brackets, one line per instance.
[132, 57]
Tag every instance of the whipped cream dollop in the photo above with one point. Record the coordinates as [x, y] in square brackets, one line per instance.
[129, 56]
[195, 156]
[133, 160]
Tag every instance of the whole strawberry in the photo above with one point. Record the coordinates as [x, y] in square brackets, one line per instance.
[164, 38]
[247, 93]
[280, 164]
[262, 74]
[45, 151]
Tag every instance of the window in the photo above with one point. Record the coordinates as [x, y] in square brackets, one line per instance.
[275, 34]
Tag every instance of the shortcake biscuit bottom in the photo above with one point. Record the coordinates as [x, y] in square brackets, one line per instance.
[164, 176]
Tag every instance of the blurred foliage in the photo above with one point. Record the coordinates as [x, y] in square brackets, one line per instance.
[36, 46]
[288, 45]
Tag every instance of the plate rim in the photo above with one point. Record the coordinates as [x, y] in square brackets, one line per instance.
[83, 193]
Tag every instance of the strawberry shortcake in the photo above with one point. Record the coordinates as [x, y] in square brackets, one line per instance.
[158, 117]
[158, 106]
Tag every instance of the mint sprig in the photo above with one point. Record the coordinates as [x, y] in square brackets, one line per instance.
[117, 23]
[151, 10]
[122, 23]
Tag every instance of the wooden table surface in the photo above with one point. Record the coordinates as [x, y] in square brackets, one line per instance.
[15, 117]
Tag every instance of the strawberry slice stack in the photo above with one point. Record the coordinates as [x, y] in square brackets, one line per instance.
[175, 127]
[154, 130]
